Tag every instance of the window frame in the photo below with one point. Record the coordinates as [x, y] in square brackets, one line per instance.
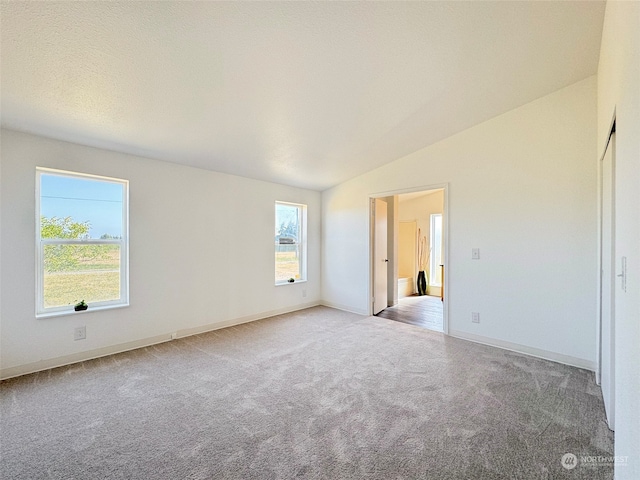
[123, 301]
[301, 241]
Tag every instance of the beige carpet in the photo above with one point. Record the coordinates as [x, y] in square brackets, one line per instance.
[318, 394]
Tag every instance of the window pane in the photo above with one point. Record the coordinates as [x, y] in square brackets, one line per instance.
[289, 249]
[287, 223]
[287, 262]
[72, 207]
[81, 272]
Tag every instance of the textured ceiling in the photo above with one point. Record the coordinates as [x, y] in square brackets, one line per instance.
[302, 93]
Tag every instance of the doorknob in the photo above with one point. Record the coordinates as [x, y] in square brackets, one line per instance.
[386, 259]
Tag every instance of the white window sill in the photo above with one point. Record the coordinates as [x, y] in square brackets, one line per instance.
[279, 284]
[64, 313]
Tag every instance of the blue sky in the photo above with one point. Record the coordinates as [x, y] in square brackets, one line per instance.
[96, 201]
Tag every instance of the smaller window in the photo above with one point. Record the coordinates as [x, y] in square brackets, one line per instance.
[290, 242]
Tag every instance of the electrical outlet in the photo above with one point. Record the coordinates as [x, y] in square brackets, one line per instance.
[80, 333]
[475, 317]
[304, 292]
[475, 254]
[174, 335]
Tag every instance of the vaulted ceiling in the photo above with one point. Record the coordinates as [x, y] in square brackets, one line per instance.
[308, 94]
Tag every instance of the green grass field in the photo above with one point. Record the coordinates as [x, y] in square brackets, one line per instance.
[94, 280]
[287, 265]
[98, 280]
[69, 288]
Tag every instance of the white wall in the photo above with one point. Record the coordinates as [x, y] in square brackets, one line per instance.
[201, 253]
[619, 91]
[407, 249]
[421, 208]
[522, 189]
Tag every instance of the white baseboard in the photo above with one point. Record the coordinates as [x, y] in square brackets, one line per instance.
[187, 332]
[344, 308]
[19, 370]
[534, 352]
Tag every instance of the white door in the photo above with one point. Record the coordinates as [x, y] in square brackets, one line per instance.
[607, 293]
[380, 260]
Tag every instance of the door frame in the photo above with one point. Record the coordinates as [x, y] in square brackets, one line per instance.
[445, 244]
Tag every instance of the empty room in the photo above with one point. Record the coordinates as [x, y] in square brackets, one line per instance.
[202, 274]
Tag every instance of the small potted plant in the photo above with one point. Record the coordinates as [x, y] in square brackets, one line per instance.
[80, 306]
[291, 280]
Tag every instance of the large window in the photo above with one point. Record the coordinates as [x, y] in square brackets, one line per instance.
[435, 275]
[290, 242]
[82, 241]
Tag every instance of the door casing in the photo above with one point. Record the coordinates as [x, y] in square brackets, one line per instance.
[445, 244]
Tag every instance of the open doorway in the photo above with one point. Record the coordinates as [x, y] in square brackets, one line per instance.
[416, 239]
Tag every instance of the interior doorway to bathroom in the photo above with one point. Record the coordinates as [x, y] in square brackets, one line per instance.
[416, 252]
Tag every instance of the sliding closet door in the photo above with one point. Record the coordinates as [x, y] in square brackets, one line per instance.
[607, 293]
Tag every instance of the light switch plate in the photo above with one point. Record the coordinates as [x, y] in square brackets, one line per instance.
[475, 254]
